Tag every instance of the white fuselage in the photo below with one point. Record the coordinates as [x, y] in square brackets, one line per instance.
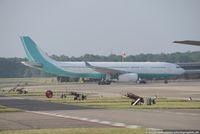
[132, 67]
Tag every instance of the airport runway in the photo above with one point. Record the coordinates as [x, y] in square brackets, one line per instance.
[76, 116]
[148, 118]
[32, 119]
[28, 120]
[60, 114]
[36, 105]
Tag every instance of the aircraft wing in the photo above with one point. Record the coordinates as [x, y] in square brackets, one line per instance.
[197, 71]
[188, 42]
[105, 70]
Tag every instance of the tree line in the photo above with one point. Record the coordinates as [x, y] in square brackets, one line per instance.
[12, 67]
[173, 57]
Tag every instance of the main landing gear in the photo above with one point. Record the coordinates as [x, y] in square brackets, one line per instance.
[140, 81]
[166, 81]
[104, 82]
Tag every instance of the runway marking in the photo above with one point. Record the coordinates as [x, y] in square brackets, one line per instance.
[155, 129]
[119, 124]
[74, 117]
[133, 126]
[11, 98]
[105, 122]
[93, 120]
[84, 119]
[178, 113]
[114, 124]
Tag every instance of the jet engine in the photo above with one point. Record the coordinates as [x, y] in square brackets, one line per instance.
[128, 77]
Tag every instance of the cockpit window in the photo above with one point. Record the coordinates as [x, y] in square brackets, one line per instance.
[177, 66]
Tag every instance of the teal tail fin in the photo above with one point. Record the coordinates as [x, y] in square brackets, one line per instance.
[28, 44]
[36, 58]
[33, 52]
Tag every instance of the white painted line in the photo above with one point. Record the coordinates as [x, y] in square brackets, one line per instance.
[63, 116]
[20, 98]
[94, 120]
[179, 113]
[37, 112]
[155, 129]
[11, 98]
[119, 124]
[133, 126]
[74, 117]
[66, 116]
[84, 119]
[105, 122]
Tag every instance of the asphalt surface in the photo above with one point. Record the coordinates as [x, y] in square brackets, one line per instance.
[30, 119]
[36, 105]
[27, 120]
[41, 114]
[167, 119]
[181, 119]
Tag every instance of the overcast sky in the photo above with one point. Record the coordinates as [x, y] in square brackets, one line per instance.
[77, 27]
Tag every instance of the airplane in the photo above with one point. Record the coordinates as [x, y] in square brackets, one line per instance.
[192, 68]
[105, 72]
[188, 42]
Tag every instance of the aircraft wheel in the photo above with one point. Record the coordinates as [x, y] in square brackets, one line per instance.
[101, 83]
[108, 82]
[165, 81]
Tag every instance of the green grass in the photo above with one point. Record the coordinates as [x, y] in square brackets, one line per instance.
[28, 80]
[116, 103]
[7, 109]
[124, 103]
[30, 93]
[34, 80]
[36, 92]
[80, 131]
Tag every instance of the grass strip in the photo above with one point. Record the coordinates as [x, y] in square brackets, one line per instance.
[124, 103]
[80, 131]
[7, 109]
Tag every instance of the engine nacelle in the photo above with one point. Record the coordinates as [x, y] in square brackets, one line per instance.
[129, 77]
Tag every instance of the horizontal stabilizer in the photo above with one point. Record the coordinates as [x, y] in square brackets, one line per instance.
[32, 64]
